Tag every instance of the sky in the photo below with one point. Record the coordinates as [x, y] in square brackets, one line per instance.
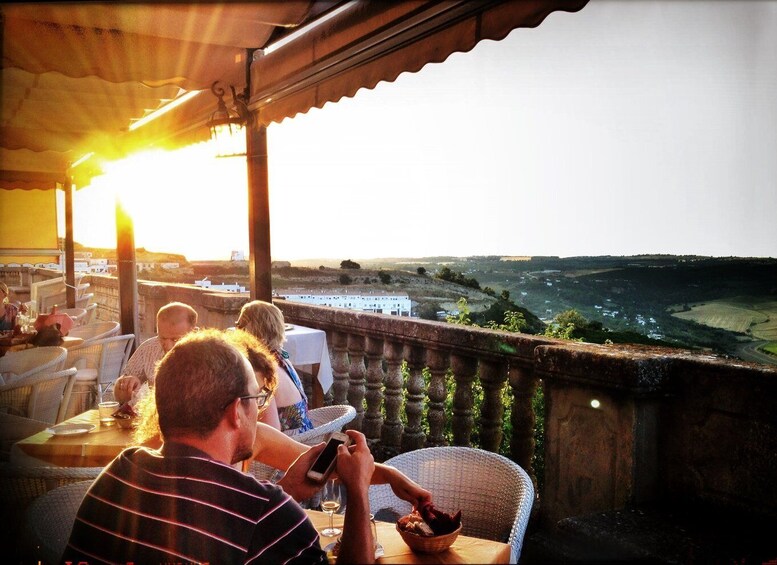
[629, 127]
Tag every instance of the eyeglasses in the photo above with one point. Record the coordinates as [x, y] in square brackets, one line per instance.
[261, 398]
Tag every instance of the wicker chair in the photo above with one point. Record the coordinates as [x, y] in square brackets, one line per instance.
[21, 364]
[49, 520]
[99, 364]
[494, 494]
[91, 310]
[325, 420]
[14, 428]
[77, 314]
[43, 396]
[95, 330]
[19, 486]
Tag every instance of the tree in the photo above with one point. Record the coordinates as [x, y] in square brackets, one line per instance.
[571, 317]
[345, 279]
[421, 271]
[348, 264]
[384, 277]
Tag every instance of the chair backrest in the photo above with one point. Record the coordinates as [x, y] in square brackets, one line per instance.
[325, 420]
[84, 300]
[14, 428]
[31, 361]
[77, 314]
[494, 494]
[40, 396]
[91, 311]
[96, 330]
[20, 486]
[115, 353]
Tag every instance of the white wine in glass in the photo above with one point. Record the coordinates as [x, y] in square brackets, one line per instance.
[330, 503]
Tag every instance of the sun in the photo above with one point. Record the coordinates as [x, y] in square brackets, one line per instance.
[182, 201]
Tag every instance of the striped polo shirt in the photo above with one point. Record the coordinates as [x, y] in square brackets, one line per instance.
[178, 505]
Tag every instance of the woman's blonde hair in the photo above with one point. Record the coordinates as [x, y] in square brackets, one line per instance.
[265, 321]
[4, 288]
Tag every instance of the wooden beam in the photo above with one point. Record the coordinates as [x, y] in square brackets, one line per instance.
[69, 266]
[259, 259]
[127, 271]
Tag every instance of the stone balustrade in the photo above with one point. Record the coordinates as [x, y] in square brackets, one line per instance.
[624, 426]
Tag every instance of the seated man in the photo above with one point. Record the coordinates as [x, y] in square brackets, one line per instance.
[185, 502]
[173, 321]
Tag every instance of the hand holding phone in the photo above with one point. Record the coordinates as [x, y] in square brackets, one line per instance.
[325, 462]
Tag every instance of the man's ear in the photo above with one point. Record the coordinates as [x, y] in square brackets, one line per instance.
[233, 413]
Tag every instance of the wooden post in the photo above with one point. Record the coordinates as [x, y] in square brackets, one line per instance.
[127, 271]
[258, 213]
[69, 266]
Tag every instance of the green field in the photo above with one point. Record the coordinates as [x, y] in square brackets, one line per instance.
[754, 316]
[771, 348]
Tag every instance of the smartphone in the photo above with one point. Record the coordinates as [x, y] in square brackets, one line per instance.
[324, 464]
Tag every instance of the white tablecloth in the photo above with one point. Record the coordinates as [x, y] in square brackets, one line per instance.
[307, 346]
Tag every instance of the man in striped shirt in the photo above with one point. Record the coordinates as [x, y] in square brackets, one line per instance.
[185, 502]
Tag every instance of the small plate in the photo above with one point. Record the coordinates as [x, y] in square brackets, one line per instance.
[71, 429]
[288, 327]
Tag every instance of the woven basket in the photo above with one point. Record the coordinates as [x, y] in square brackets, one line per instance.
[424, 544]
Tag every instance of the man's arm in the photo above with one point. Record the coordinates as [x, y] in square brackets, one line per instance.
[355, 466]
[135, 372]
[274, 448]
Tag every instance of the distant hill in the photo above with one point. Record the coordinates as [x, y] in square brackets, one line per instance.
[141, 254]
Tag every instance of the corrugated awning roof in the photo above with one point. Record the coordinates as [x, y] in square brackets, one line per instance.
[74, 76]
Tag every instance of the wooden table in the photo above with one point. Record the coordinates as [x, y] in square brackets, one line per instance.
[94, 449]
[464, 550]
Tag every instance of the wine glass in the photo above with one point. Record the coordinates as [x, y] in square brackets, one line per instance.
[330, 503]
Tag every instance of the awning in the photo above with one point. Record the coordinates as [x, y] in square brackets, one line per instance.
[19, 243]
[370, 42]
[76, 75]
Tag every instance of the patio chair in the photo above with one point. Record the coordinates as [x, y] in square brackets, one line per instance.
[95, 330]
[49, 520]
[84, 300]
[91, 311]
[77, 314]
[99, 364]
[43, 396]
[20, 486]
[494, 494]
[16, 365]
[14, 428]
[325, 420]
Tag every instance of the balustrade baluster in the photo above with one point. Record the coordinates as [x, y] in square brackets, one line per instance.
[340, 366]
[413, 436]
[438, 366]
[464, 369]
[356, 374]
[373, 418]
[524, 385]
[391, 437]
[493, 376]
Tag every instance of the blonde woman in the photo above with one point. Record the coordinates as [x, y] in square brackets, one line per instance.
[288, 410]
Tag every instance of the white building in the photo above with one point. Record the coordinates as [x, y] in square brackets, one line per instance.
[377, 302]
[237, 256]
[223, 287]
